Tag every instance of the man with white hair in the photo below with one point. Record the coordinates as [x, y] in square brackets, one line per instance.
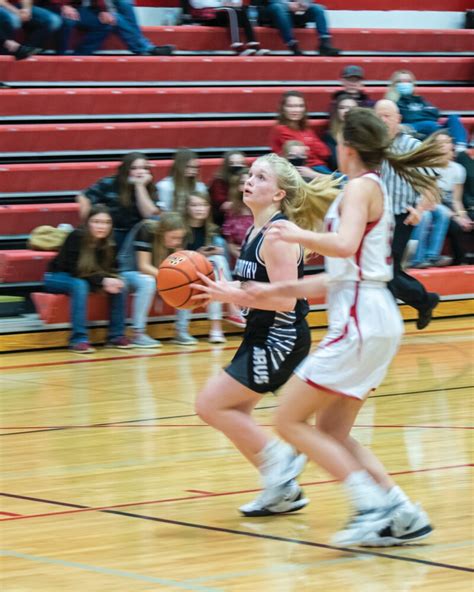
[406, 209]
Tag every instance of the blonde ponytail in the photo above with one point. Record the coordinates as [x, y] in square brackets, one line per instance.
[305, 204]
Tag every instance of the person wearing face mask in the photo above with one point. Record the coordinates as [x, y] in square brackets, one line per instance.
[418, 113]
[296, 153]
[182, 180]
[233, 164]
[130, 195]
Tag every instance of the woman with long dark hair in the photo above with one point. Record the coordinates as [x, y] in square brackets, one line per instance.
[130, 195]
[87, 263]
[292, 124]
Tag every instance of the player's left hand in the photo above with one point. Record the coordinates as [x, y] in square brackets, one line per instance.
[283, 230]
[220, 290]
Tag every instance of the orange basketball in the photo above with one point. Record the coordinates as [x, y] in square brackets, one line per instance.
[177, 273]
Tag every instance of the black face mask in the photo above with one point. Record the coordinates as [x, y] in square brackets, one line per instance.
[235, 169]
[297, 161]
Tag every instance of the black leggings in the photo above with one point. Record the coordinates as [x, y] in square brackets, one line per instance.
[234, 18]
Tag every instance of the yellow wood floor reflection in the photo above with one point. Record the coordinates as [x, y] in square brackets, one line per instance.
[111, 483]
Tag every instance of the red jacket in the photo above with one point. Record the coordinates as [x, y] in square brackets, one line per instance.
[318, 152]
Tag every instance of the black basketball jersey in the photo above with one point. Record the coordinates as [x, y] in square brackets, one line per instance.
[251, 267]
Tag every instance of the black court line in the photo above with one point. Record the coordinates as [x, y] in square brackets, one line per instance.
[99, 425]
[354, 551]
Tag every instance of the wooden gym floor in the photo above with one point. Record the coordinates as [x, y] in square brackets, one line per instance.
[111, 483]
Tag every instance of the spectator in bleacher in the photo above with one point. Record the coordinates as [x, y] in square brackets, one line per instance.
[407, 205]
[296, 152]
[232, 165]
[144, 249]
[286, 14]
[130, 195]
[418, 113]
[39, 25]
[15, 49]
[227, 13]
[467, 162]
[128, 29]
[429, 236]
[451, 182]
[203, 236]
[92, 17]
[238, 217]
[292, 124]
[352, 81]
[182, 180]
[87, 263]
[342, 105]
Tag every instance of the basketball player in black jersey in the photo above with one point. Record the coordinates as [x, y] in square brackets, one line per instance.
[275, 342]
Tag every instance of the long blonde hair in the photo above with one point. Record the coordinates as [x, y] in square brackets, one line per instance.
[368, 135]
[305, 204]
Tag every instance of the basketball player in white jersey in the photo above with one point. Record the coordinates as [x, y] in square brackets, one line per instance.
[364, 333]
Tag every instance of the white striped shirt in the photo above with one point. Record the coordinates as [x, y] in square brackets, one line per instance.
[400, 191]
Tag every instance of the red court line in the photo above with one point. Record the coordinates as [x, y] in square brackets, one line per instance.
[180, 353]
[201, 496]
[9, 514]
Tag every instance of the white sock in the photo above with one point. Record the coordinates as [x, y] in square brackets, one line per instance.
[363, 491]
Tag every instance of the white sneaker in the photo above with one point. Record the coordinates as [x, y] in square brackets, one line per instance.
[280, 464]
[217, 337]
[409, 523]
[361, 528]
[281, 500]
[142, 340]
[184, 339]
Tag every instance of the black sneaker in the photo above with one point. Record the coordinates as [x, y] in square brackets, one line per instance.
[294, 47]
[160, 50]
[328, 50]
[25, 51]
[425, 316]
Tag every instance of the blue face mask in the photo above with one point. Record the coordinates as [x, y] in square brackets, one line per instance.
[404, 88]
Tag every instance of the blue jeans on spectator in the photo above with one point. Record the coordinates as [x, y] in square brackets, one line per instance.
[453, 126]
[143, 287]
[431, 233]
[39, 28]
[128, 29]
[60, 282]
[95, 32]
[284, 20]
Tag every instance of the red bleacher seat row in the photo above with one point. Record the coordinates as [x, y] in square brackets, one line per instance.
[24, 265]
[98, 101]
[67, 176]
[438, 5]
[54, 308]
[198, 38]
[43, 138]
[215, 68]
[21, 219]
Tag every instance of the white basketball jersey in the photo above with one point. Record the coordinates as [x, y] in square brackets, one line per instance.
[373, 261]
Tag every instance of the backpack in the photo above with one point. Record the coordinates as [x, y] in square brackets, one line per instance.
[47, 238]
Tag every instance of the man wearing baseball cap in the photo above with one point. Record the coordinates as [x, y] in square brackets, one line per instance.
[352, 80]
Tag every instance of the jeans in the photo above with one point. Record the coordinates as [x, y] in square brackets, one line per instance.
[43, 24]
[95, 33]
[214, 309]
[143, 287]
[453, 125]
[430, 233]
[128, 29]
[60, 282]
[284, 20]
[403, 286]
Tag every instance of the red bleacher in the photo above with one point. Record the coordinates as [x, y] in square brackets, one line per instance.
[24, 265]
[22, 218]
[245, 99]
[216, 68]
